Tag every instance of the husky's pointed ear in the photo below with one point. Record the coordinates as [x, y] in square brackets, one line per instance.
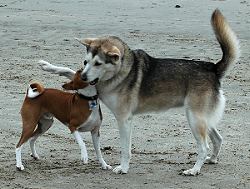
[86, 42]
[114, 53]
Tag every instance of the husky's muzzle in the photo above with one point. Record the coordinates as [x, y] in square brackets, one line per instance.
[85, 78]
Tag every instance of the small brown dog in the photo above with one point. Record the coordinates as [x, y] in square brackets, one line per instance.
[81, 113]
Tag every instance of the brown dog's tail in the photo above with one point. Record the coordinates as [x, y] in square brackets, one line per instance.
[34, 90]
[228, 42]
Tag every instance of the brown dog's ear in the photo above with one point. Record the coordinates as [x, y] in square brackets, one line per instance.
[86, 42]
[76, 83]
[78, 73]
[68, 86]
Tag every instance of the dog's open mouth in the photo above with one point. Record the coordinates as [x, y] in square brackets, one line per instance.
[94, 81]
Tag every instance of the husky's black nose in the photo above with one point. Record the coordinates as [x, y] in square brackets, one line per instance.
[84, 77]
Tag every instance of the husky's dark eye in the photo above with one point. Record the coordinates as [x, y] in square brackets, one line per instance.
[85, 62]
[98, 64]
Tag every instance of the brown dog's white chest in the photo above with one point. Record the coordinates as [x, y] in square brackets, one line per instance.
[93, 122]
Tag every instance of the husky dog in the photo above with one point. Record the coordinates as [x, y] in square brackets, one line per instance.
[131, 82]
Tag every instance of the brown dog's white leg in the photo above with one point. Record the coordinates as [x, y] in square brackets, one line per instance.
[43, 125]
[26, 134]
[96, 142]
[64, 71]
[84, 154]
[19, 164]
[33, 148]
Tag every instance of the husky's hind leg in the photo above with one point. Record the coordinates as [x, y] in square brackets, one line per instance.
[213, 120]
[198, 126]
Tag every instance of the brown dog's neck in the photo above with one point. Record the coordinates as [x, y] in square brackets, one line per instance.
[89, 98]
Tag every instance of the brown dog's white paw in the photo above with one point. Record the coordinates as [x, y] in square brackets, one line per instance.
[20, 167]
[106, 167]
[46, 66]
[84, 159]
[35, 157]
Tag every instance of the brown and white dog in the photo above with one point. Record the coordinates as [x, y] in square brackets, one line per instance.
[80, 111]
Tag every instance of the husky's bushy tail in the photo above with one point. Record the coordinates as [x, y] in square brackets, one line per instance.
[228, 42]
[34, 90]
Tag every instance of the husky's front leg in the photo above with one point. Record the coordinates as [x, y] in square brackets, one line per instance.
[125, 130]
[62, 71]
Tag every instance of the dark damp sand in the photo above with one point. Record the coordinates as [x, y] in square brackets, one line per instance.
[163, 145]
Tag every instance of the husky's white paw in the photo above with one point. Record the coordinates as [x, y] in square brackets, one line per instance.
[191, 172]
[20, 167]
[120, 170]
[211, 160]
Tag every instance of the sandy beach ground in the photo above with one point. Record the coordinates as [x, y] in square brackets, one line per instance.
[162, 143]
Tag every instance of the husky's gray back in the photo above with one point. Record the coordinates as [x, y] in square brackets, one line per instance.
[165, 83]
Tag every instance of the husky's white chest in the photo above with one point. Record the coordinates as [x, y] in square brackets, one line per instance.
[111, 101]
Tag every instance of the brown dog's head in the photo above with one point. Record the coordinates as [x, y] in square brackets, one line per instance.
[76, 83]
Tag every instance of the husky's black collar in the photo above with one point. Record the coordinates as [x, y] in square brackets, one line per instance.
[89, 98]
